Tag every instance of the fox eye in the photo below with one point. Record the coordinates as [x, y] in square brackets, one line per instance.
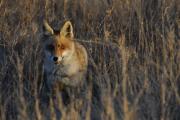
[50, 47]
[62, 47]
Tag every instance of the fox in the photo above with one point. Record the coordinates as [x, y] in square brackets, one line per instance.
[65, 59]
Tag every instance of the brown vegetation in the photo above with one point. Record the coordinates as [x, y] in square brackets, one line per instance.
[134, 59]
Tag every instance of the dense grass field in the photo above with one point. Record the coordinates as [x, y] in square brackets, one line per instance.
[134, 60]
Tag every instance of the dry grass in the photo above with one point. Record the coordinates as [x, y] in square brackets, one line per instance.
[134, 60]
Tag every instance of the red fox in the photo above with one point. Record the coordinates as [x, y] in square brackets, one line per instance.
[66, 60]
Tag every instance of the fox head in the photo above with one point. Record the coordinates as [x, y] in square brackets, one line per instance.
[58, 45]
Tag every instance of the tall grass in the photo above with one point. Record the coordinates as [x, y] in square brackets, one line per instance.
[134, 60]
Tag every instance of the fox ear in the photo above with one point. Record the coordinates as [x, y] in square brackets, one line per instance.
[67, 30]
[47, 28]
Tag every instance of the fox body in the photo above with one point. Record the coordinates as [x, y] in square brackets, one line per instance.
[65, 60]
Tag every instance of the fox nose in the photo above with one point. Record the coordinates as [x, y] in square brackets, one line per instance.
[55, 59]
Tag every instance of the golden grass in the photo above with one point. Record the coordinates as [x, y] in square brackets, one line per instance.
[134, 54]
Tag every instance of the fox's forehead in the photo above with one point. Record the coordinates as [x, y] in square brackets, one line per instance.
[58, 39]
[50, 39]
